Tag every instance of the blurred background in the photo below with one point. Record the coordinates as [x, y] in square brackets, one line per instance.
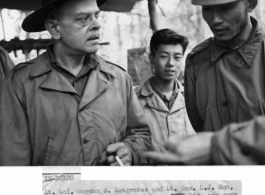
[127, 25]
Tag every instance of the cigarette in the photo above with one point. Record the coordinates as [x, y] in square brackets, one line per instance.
[119, 161]
[104, 43]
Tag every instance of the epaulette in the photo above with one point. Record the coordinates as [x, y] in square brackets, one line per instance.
[205, 44]
[115, 65]
[137, 89]
[22, 65]
[107, 61]
[18, 67]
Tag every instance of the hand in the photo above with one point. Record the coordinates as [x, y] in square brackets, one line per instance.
[193, 150]
[117, 149]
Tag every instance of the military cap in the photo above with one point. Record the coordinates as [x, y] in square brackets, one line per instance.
[211, 2]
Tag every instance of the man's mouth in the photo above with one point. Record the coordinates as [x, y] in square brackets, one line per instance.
[219, 30]
[93, 37]
[170, 71]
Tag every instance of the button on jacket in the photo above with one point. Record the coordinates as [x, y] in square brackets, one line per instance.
[222, 86]
[162, 121]
[43, 123]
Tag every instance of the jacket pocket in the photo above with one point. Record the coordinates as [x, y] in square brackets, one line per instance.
[44, 160]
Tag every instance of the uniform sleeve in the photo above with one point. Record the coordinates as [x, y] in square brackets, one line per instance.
[15, 147]
[137, 133]
[190, 97]
[5, 61]
[240, 144]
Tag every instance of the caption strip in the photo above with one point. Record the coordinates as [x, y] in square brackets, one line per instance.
[71, 184]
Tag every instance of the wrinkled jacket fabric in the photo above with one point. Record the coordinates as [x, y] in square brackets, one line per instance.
[223, 87]
[6, 64]
[240, 144]
[43, 123]
[162, 121]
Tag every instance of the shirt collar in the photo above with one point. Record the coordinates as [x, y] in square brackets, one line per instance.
[47, 58]
[247, 51]
[90, 60]
[147, 89]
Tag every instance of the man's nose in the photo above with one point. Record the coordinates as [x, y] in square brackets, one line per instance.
[217, 16]
[171, 62]
[95, 24]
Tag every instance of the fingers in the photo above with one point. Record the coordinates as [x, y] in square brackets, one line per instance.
[108, 156]
[113, 148]
[103, 159]
[122, 152]
[126, 161]
[118, 149]
[111, 159]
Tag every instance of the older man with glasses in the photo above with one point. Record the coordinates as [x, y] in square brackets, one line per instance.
[69, 106]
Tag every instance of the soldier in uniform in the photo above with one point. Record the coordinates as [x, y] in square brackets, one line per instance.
[224, 83]
[69, 106]
[224, 76]
[162, 95]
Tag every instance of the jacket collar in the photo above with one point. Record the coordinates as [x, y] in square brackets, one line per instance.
[42, 66]
[99, 80]
[104, 67]
[247, 51]
[154, 101]
[56, 81]
[148, 91]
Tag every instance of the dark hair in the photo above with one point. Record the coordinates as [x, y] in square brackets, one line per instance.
[167, 37]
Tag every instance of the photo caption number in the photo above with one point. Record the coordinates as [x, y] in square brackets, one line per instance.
[64, 177]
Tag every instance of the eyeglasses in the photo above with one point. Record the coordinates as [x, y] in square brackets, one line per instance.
[86, 19]
[83, 19]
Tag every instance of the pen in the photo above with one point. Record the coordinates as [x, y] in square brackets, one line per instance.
[119, 161]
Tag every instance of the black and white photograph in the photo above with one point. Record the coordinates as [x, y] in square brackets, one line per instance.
[153, 83]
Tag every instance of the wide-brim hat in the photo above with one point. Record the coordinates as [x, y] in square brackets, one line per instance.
[36, 20]
[211, 2]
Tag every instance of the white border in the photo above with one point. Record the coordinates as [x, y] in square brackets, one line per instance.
[28, 180]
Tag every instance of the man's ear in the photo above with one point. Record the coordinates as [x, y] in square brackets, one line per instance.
[151, 58]
[252, 4]
[54, 29]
